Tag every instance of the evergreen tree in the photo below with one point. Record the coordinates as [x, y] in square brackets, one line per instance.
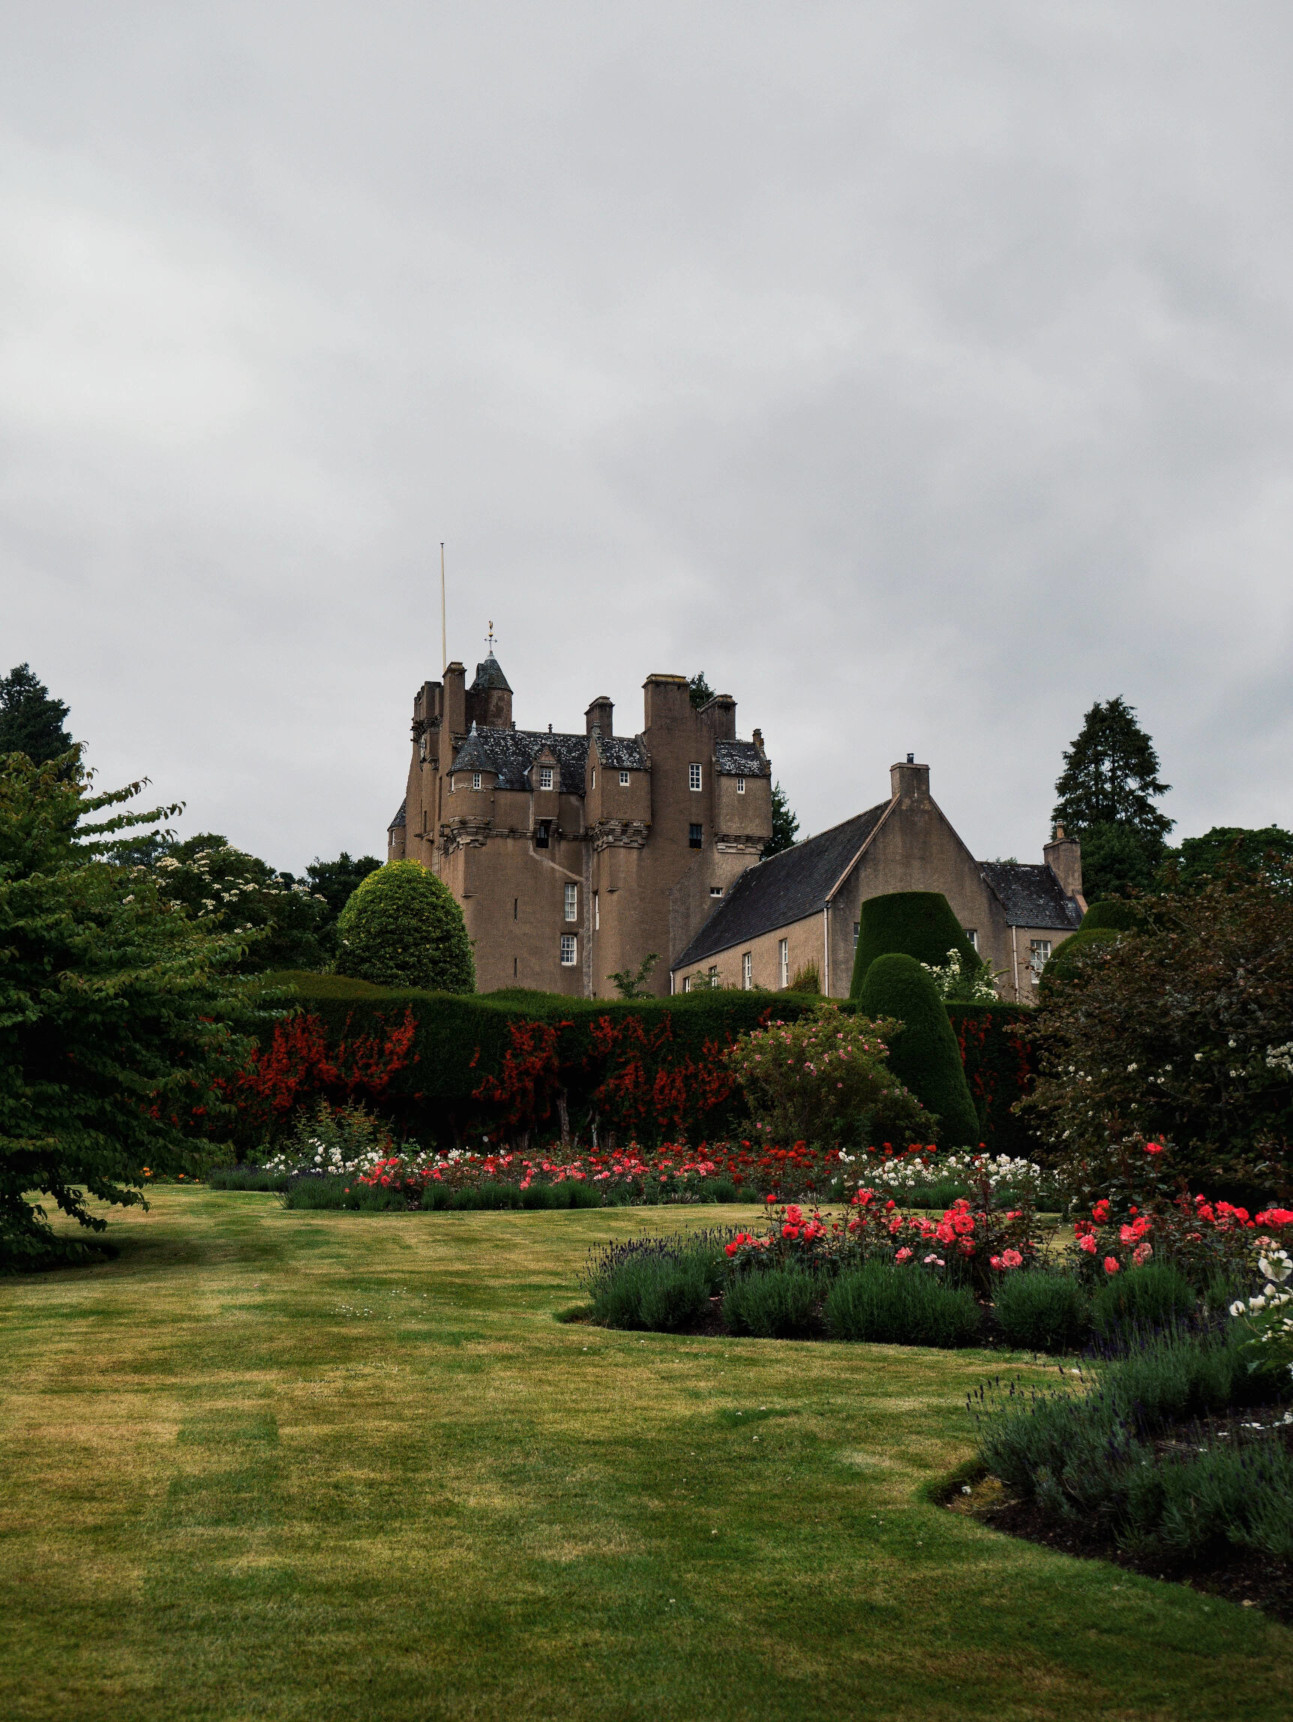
[31, 721]
[784, 825]
[1106, 798]
[335, 881]
[700, 690]
[1231, 852]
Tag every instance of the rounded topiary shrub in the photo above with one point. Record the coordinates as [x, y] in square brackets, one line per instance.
[1120, 917]
[402, 928]
[919, 924]
[924, 1055]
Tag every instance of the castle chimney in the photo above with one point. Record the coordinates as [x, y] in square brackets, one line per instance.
[455, 698]
[909, 781]
[600, 716]
[1063, 855]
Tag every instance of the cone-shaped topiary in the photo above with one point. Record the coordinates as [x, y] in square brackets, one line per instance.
[925, 1055]
[1121, 917]
[920, 924]
[401, 927]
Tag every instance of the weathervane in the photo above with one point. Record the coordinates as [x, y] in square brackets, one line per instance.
[489, 639]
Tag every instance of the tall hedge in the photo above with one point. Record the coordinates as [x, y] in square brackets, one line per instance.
[403, 927]
[918, 924]
[925, 1055]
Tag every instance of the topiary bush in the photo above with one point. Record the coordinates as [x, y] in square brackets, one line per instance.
[918, 924]
[901, 1306]
[1042, 1312]
[1153, 1296]
[924, 1055]
[774, 1303]
[403, 928]
[1114, 914]
[1071, 952]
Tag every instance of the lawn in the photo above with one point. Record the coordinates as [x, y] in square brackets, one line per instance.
[332, 1465]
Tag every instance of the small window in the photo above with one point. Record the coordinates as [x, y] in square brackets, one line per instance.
[857, 933]
[696, 836]
[1039, 954]
[514, 963]
[569, 950]
[475, 780]
[693, 777]
[747, 970]
[972, 934]
[740, 786]
[716, 890]
[783, 962]
[712, 977]
[686, 983]
[543, 834]
[572, 902]
[516, 908]
[594, 784]
[545, 777]
[624, 780]
[597, 911]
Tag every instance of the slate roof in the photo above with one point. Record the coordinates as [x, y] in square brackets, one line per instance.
[784, 888]
[511, 753]
[624, 751]
[399, 817]
[490, 675]
[1031, 896]
[740, 759]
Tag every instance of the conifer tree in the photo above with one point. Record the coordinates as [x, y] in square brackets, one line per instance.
[699, 689]
[784, 825]
[31, 720]
[1106, 796]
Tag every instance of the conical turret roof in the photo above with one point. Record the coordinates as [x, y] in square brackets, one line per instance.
[490, 675]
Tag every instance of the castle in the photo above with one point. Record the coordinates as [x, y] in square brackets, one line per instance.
[574, 857]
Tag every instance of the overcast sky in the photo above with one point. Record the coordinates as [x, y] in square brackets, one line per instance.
[920, 370]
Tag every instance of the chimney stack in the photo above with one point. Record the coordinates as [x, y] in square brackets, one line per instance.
[1063, 855]
[600, 716]
[909, 781]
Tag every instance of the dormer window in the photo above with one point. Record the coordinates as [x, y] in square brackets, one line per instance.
[740, 786]
[624, 780]
[475, 780]
[545, 777]
[693, 777]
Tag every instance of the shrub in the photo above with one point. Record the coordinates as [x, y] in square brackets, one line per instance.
[1000, 1065]
[660, 1285]
[924, 1055]
[825, 1079]
[1076, 949]
[776, 1303]
[315, 1190]
[1042, 1312]
[918, 924]
[1153, 1296]
[403, 927]
[1114, 914]
[901, 1306]
[246, 1178]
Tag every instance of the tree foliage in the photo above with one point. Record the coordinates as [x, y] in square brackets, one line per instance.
[31, 720]
[403, 927]
[335, 882]
[119, 1015]
[1180, 1032]
[1107, 793]
[785, 825]
[282, 920]
[699, 689]
[1229, 851]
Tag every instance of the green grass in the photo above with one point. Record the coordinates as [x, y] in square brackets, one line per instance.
[326, 1466]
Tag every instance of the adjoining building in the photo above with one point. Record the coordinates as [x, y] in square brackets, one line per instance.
[575, 857]
[803, 908]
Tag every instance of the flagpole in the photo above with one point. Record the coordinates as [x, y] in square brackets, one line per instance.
[444, 632]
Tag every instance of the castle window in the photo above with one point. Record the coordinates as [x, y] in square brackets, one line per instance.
[1039, 953]
[783, 962]
[545, 777]
[624, 780]
[542, 834]
[716, 890]
[696, 836]
[857, 933]
[572, 902]
[972, 934]
[740, 786]
[597, 912]
[693, 777]
[569, 950]
[475, 780]
[686, 983]
[747, 970]
[516, 908]
[594, 783]
[712, 977]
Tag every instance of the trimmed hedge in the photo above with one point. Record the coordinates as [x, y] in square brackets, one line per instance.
[919, 924]
[1122, 917]
[462, 1039]
[925, 1055]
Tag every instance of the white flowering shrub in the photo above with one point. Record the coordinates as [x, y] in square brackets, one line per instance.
[1268, 1315]
[962, 979]
[923, 1170]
